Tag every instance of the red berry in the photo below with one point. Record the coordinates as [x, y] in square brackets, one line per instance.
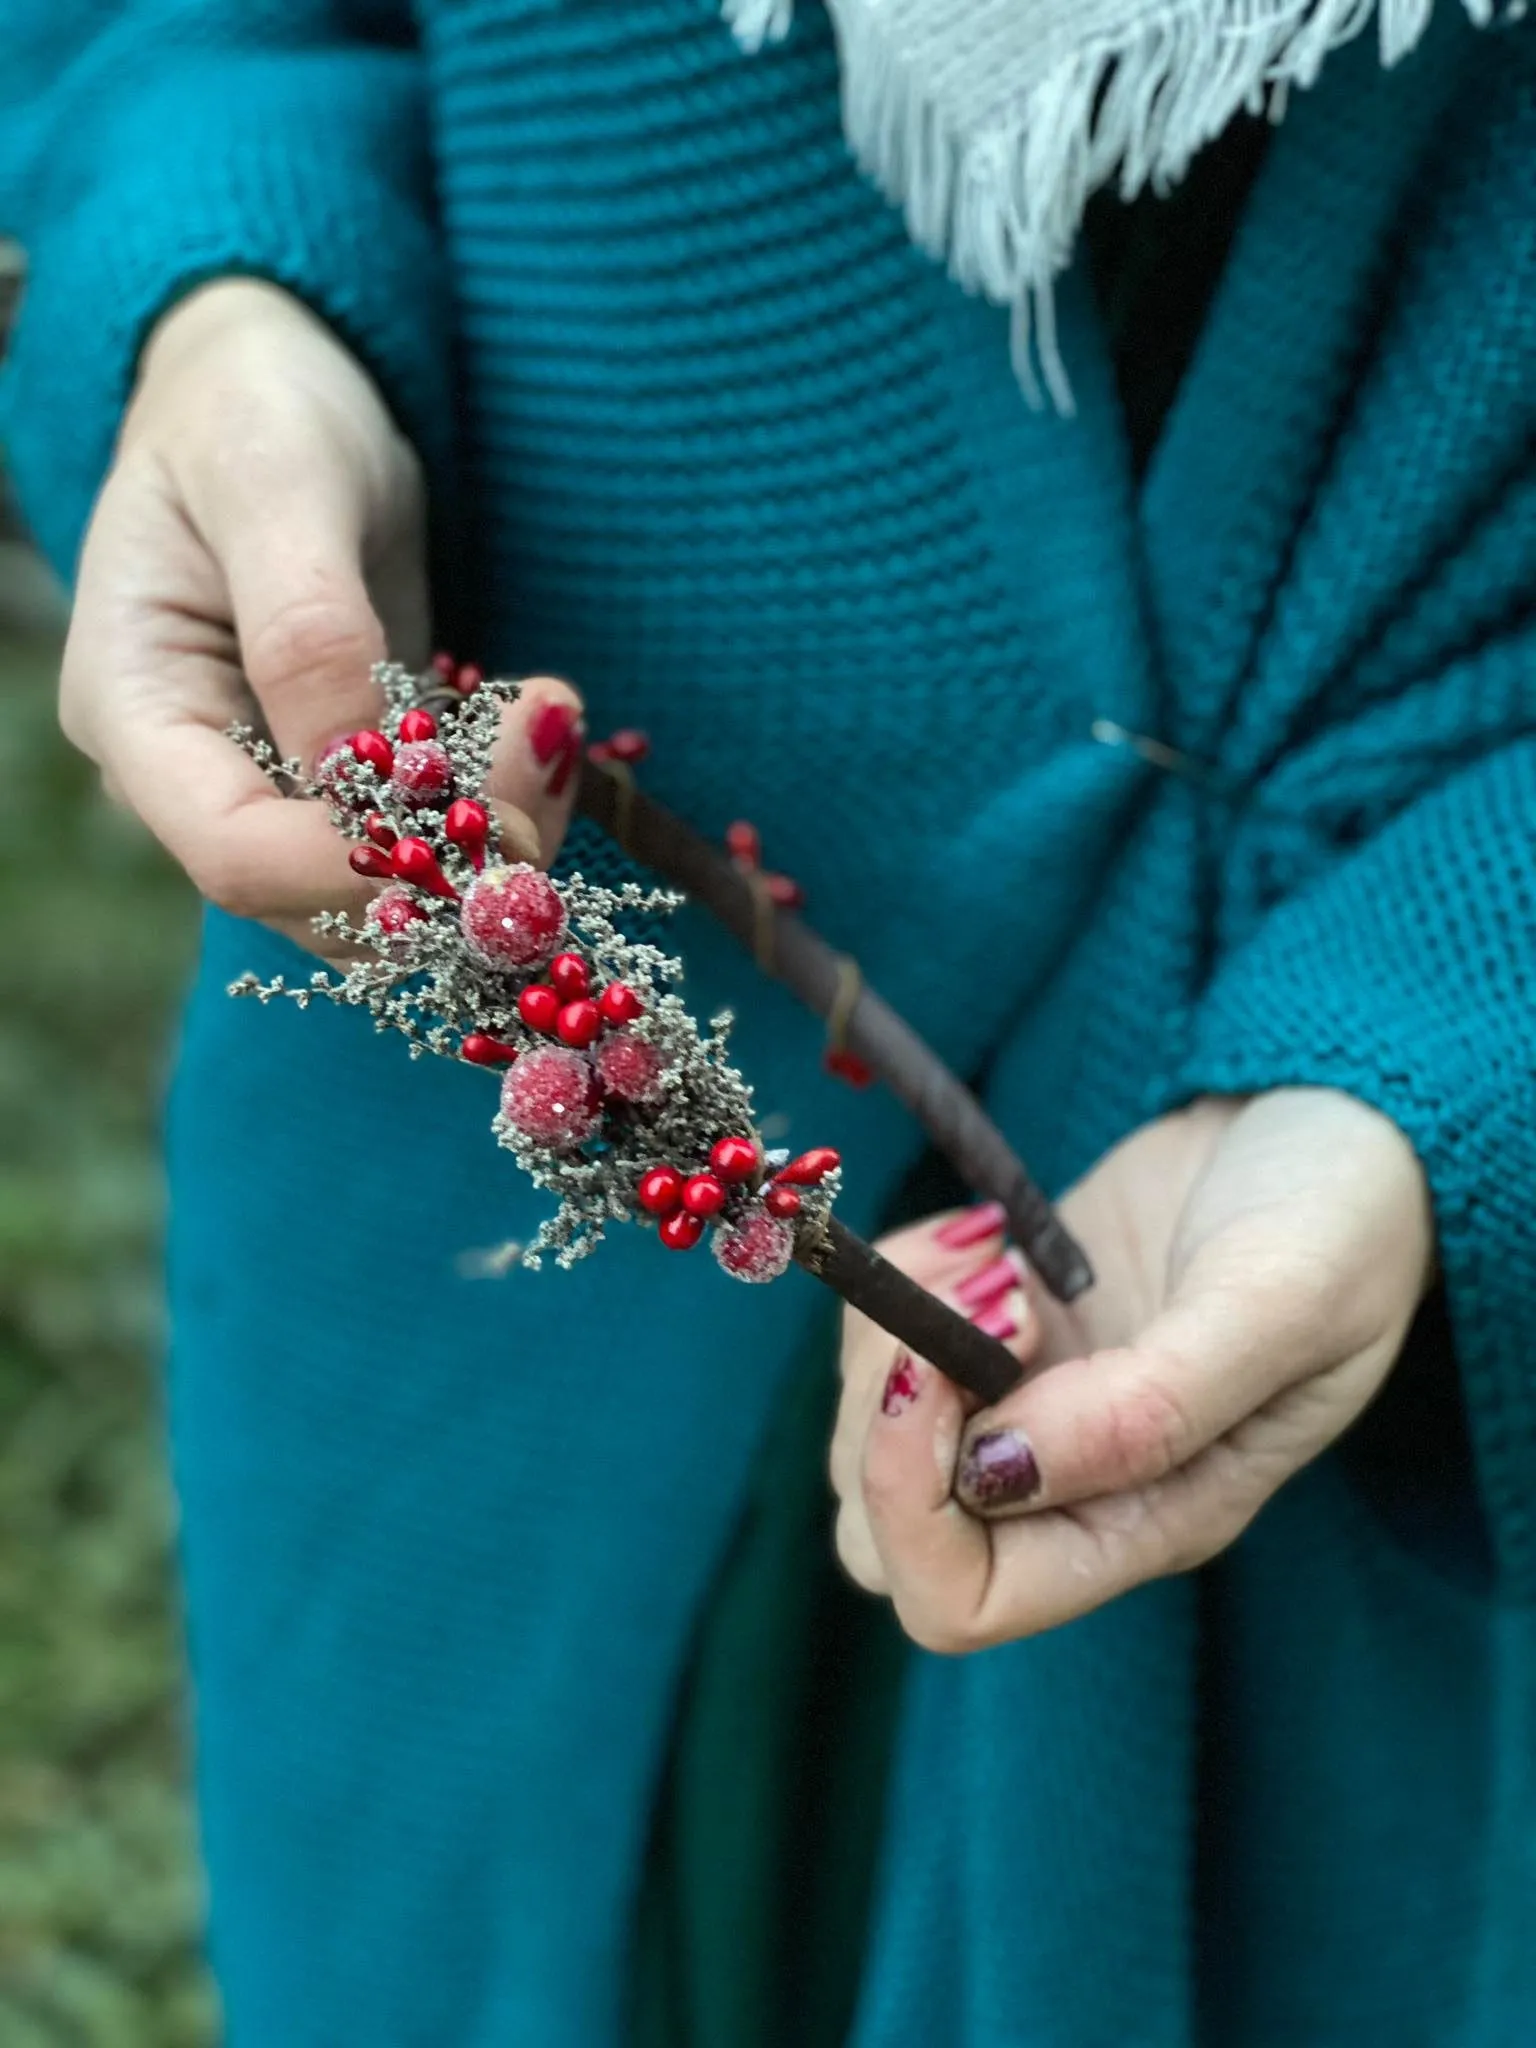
[513, 916]
[784, 892]
[484, 1051]
[374, 751]
[414, 861]
[578, 1023]
[810, 1167]
[781, 1201]
[629, 1067]
[704, 1195]
[619, 1004]
[422, 769]
[418, 725]
[445, 666]
[468, 825]
[734, 1158]
[380, 830]
[660, 1190]
[569, 977]
[468, 679]
[371, 861]
[551, 1097]
[743, 843]
[680, 1232]
[629, 745]
[757, 1248]
[393, 909]
[538, 1006]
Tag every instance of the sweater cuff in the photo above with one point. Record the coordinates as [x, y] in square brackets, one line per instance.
[1407, 977]
[308, 170]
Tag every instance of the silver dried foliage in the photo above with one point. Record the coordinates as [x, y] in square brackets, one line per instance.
[429, 985]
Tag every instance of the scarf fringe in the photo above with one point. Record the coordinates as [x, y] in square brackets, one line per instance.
[991, 148]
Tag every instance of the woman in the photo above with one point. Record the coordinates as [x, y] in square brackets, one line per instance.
[1169, 766]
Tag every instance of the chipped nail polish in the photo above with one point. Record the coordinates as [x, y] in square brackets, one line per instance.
[972, 1226]
[995, 1322]
[565, 765]
[903, 1385]
[550, 729]
[1000, 1276]
[998, 1470]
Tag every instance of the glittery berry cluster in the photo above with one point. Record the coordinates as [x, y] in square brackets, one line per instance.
[613, 1097]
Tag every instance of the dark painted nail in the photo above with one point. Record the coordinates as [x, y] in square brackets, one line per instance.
[550, 729]
[998, 1277]
[903, 1385]
[998, 1470]
[972, 1226]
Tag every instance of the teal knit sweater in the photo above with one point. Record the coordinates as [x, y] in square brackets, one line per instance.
[715, 441]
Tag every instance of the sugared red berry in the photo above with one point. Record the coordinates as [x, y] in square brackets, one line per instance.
[744, 844]
[414, 861]
[680, 1232]
[578, 1023]
[418, 725]
[393, 909]
[513, 916]
[551, 1096]
[538, 1006]
[704, 1195]
[630, 1067]
[660, 1190]
[734, 1158]
[810, 1167]
[781, 1201]
[371, 861]
[619, 1004]
[380, 830]
[484, 1051]
[468, 824]
[374, 751]
[422, 769]
[569, 978]
[759, 1247]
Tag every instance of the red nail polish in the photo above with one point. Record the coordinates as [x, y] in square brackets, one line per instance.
[972, 1226]
[902, 1386]
[549, 730]
[998, 1277]
[565, 766]
[996, 1322]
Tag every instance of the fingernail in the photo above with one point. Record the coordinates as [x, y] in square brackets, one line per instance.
[998, 1470]
[996, 1322]
[563, 768]
[1001, 1276]
[971, 1226]
[903, 1385]
[550, 729]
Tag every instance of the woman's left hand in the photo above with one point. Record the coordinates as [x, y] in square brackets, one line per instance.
[1258, 1266]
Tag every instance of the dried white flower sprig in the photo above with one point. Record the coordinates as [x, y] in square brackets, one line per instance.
[613, 1099]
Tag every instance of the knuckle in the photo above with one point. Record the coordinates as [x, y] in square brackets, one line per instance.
[1138, 1438]
[311, 636]
[228, 883]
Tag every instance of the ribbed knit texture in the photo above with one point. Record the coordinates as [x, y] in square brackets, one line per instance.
[749, 469]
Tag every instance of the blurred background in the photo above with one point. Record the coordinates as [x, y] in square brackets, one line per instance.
[100, 1903]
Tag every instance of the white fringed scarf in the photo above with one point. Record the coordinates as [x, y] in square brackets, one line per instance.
[989, 122]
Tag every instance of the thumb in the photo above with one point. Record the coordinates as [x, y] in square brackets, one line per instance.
[536, 768]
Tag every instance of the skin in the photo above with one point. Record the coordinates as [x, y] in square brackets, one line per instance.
[257, 545]
[259, 542]
[1259, 1264]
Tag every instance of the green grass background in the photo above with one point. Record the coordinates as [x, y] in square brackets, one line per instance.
[100, 1904]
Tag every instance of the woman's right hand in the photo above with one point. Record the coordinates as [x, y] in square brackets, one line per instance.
[261, 536]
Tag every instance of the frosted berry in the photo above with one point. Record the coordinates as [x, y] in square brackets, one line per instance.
[371, 861]
[422, 770]
[757, 1248]
[538, 1006]
[513, 916]
[619, 1004]
[418, 725]
[744, 844]
[629, 1067]
[380, 830]
[680, 1232]
[374, 751]
[578, 1023]
[810, 1167]
[660, 1190]
[414, 861]
[392, 910]
[551, 1097]
[484, 1051]
[781, 1201]
[468, 826]
[568, 977]
[734, 1158]
[704, 1195]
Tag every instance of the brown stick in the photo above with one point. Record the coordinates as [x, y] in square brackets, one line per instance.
[870, 1028]
[928, 1327]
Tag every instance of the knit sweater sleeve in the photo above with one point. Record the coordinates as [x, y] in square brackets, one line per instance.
[148, 147]
[1405, 973]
